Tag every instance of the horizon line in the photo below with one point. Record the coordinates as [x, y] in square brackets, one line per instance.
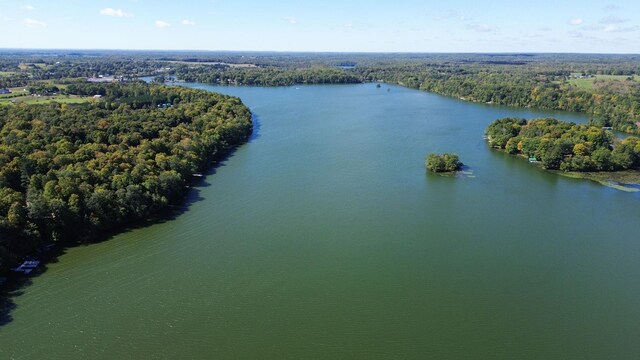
[3, 49]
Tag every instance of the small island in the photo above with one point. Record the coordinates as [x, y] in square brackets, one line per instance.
[575, 150]
[442, 163]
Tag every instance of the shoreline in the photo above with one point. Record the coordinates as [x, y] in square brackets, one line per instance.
[626, 180]
[623, 180]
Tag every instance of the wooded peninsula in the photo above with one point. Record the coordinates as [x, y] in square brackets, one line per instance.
[565, 146]
[71, 171]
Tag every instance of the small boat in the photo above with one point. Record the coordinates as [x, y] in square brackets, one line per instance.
[27, 267]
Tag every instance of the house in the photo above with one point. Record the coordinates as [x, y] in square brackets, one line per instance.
[97, 96]
[106, 79]
[5, 91]
[101, 79]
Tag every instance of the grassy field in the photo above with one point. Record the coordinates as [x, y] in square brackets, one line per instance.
[18, 94]
[16, 91]
[588, 83]
[25, 66]
[62, 99]
[20, 89]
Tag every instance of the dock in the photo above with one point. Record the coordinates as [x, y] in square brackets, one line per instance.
[27, 267]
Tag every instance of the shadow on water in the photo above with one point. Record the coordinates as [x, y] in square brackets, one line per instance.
[14, 284]
[7, 305]
[518, 167]
[255, 120]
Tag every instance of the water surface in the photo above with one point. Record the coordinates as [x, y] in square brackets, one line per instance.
[324, 238]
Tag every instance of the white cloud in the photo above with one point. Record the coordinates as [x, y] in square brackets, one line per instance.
[611, 7]
[27, 7]
[186, 22]
[449, 14]
[348, 25]
[614, 28]
[576, 21]
[454, 15]
[580, 35]
[115, 12]
[482, 27]
[162, 24]
[610, 28]
[291, 20]
[629, 29]
[576, 34]
[34, 23]
[592, 27]
[613, 20]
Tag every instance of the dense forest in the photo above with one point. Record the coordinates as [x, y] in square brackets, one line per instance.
[565, 146]
[68, 172]
[267, 77]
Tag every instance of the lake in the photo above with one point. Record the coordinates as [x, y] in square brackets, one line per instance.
[323, 237]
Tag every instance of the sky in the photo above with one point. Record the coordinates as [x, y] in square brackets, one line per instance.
[586, 26]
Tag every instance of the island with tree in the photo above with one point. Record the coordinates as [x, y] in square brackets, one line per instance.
[443, 163]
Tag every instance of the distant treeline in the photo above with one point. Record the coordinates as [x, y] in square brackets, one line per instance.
[69, 172]
[267, 76]
[565, 146]
[617, 105]
[522, 80]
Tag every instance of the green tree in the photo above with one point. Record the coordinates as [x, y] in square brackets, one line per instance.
[552, 157]
[443, 162]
